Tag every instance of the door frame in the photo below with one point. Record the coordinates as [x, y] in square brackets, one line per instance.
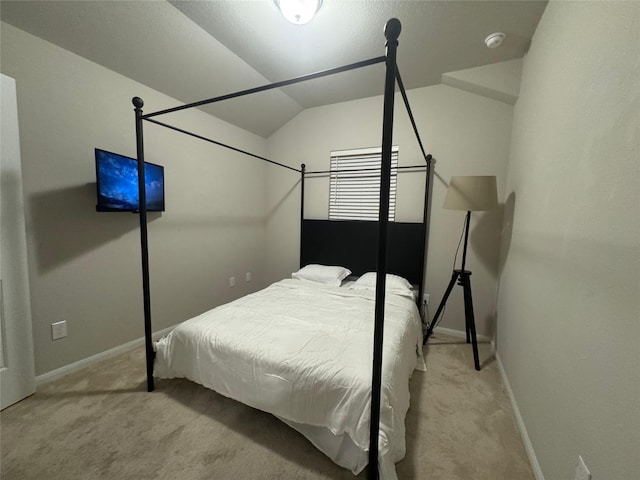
[17, 372]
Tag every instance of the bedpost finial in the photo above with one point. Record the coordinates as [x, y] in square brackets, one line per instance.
[137, 102]
[392, 29]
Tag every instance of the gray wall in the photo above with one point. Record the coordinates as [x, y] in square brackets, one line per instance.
[84, 267]
[568, 309]
[466, 133]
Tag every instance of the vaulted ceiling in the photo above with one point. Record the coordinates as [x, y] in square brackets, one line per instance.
[194, 50]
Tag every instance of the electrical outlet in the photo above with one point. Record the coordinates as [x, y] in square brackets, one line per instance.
[232, 281]
[58, 330]
[582, 472]
[247, 277]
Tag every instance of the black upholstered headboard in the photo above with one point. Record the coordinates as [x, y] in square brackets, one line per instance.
[354, 244]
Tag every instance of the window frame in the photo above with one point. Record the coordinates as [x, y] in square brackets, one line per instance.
[354, 183]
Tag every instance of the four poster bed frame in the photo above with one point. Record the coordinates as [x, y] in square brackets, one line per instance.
[316, 252]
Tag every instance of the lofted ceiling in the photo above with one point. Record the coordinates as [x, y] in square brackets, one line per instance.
[194, 50]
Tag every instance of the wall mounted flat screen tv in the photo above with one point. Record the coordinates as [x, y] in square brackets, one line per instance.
[117, 183]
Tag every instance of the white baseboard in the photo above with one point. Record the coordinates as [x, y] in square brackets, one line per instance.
[85, 362]
[460, 334]
[531, 453]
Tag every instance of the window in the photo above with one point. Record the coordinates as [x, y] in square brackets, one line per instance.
[354, 184]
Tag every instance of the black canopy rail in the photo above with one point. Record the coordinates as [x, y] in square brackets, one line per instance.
[403, 92]
[215, 142]
[391, 31]
[366, 169]
[428, 158]
[271, 86]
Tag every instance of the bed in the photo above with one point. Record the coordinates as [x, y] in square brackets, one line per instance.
[301, 350]
[371, 242]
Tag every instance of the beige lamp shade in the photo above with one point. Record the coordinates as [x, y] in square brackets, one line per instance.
[472, 193]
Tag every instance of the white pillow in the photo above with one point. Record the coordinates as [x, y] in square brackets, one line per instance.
[325, 274]
[394, 284]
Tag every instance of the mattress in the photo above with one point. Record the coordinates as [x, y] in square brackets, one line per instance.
[304, 352]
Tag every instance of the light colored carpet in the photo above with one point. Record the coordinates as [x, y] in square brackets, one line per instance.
[101, 423]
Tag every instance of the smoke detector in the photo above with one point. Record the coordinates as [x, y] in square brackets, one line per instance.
[494, 40]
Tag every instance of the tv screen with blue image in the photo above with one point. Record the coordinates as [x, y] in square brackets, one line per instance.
[117, 183]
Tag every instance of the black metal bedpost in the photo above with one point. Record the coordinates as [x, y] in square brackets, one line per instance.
[392, 32]
[425, 229]
[142, 196]
[302, 170]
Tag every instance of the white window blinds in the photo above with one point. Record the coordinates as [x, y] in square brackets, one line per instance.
[354, 186]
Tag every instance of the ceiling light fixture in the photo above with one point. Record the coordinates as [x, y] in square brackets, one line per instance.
[494, 40]
[299, 12]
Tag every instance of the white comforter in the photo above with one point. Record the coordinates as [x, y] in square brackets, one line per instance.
[303, 352]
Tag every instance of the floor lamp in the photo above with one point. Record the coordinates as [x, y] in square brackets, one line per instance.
[471, 194]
